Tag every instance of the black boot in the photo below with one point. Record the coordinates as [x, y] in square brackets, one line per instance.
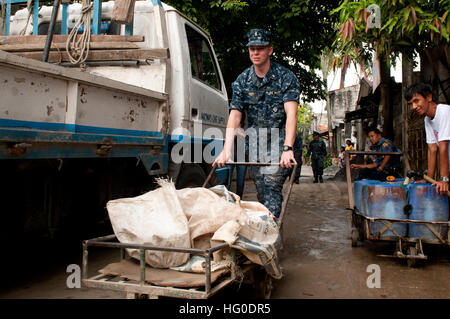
[316, 179]
[320, 178]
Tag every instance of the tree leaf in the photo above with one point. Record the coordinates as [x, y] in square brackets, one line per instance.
[407, 11]
[413, 14]
[432, 27]
[444, 16]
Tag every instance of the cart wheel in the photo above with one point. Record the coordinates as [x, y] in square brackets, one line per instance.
[413, 252]
[355, 236]
[398, 249]
[262, 284]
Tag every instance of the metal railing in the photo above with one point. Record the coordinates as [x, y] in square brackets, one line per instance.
[96, 17]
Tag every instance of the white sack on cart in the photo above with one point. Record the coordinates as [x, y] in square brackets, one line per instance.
[155, 218]
[259, 239]
[209, 209]
[197, 264]
[175, 218]
[247, 226]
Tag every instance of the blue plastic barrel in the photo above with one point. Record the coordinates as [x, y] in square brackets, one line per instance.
[359, 188]
[386, 200]
[428, 206]
[364, 195]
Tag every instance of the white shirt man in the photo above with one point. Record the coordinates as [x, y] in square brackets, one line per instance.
[437, 128]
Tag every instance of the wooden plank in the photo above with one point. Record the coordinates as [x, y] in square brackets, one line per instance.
[102, 55]
[62, 46]
[123, 11]
[57, 38]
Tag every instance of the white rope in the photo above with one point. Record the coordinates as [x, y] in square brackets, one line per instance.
[78, 47]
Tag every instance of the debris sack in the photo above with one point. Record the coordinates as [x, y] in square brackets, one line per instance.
[259, 239]
[155, 218]
[195, 217]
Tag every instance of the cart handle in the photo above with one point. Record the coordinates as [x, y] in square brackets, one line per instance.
[291, 181]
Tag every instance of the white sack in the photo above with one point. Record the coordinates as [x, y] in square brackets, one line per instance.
[247, 226]
[259, 239]
[197, 264]
[208, 209]
[155, 218]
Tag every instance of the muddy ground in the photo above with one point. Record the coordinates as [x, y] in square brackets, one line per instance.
[317, 259]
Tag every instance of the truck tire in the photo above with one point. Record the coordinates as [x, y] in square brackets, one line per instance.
[191, 175]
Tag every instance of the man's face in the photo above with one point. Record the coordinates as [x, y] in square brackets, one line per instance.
[259, 55]
[315, 137]
[420, 104]
[374, 137]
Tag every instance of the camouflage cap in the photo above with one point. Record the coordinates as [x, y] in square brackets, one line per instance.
[259, 37]
[315, 133]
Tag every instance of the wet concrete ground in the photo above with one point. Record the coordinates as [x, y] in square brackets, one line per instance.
[317, 259]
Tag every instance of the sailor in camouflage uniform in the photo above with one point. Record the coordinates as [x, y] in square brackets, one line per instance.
[269, 93]
[318, 151]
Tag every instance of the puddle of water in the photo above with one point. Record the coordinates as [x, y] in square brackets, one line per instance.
[315, 253]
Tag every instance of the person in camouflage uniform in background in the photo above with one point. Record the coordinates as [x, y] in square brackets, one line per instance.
[318, 152]
[269, 93]
[384, 165]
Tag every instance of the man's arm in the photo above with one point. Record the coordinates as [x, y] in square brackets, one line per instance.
[371, 165]
[432, 154]
[441, 186]
[384, 162]
[234, 122]
[290, 108]
[443, 158]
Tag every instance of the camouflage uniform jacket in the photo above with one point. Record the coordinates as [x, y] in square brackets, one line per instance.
[263, 100]
[385, 145]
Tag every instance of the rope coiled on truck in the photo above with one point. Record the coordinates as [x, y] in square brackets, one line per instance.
[77, 47]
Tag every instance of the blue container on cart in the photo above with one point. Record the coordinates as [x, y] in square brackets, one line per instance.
[386, 200]
[428, 206]
[360, 188]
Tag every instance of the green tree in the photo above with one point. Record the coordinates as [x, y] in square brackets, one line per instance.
[301, 29]
[304, 113]
[405, 26]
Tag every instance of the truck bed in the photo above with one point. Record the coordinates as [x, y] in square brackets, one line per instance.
[50, 111]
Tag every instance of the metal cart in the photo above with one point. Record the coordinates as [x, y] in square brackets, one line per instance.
[410, 249]
[141, 288]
